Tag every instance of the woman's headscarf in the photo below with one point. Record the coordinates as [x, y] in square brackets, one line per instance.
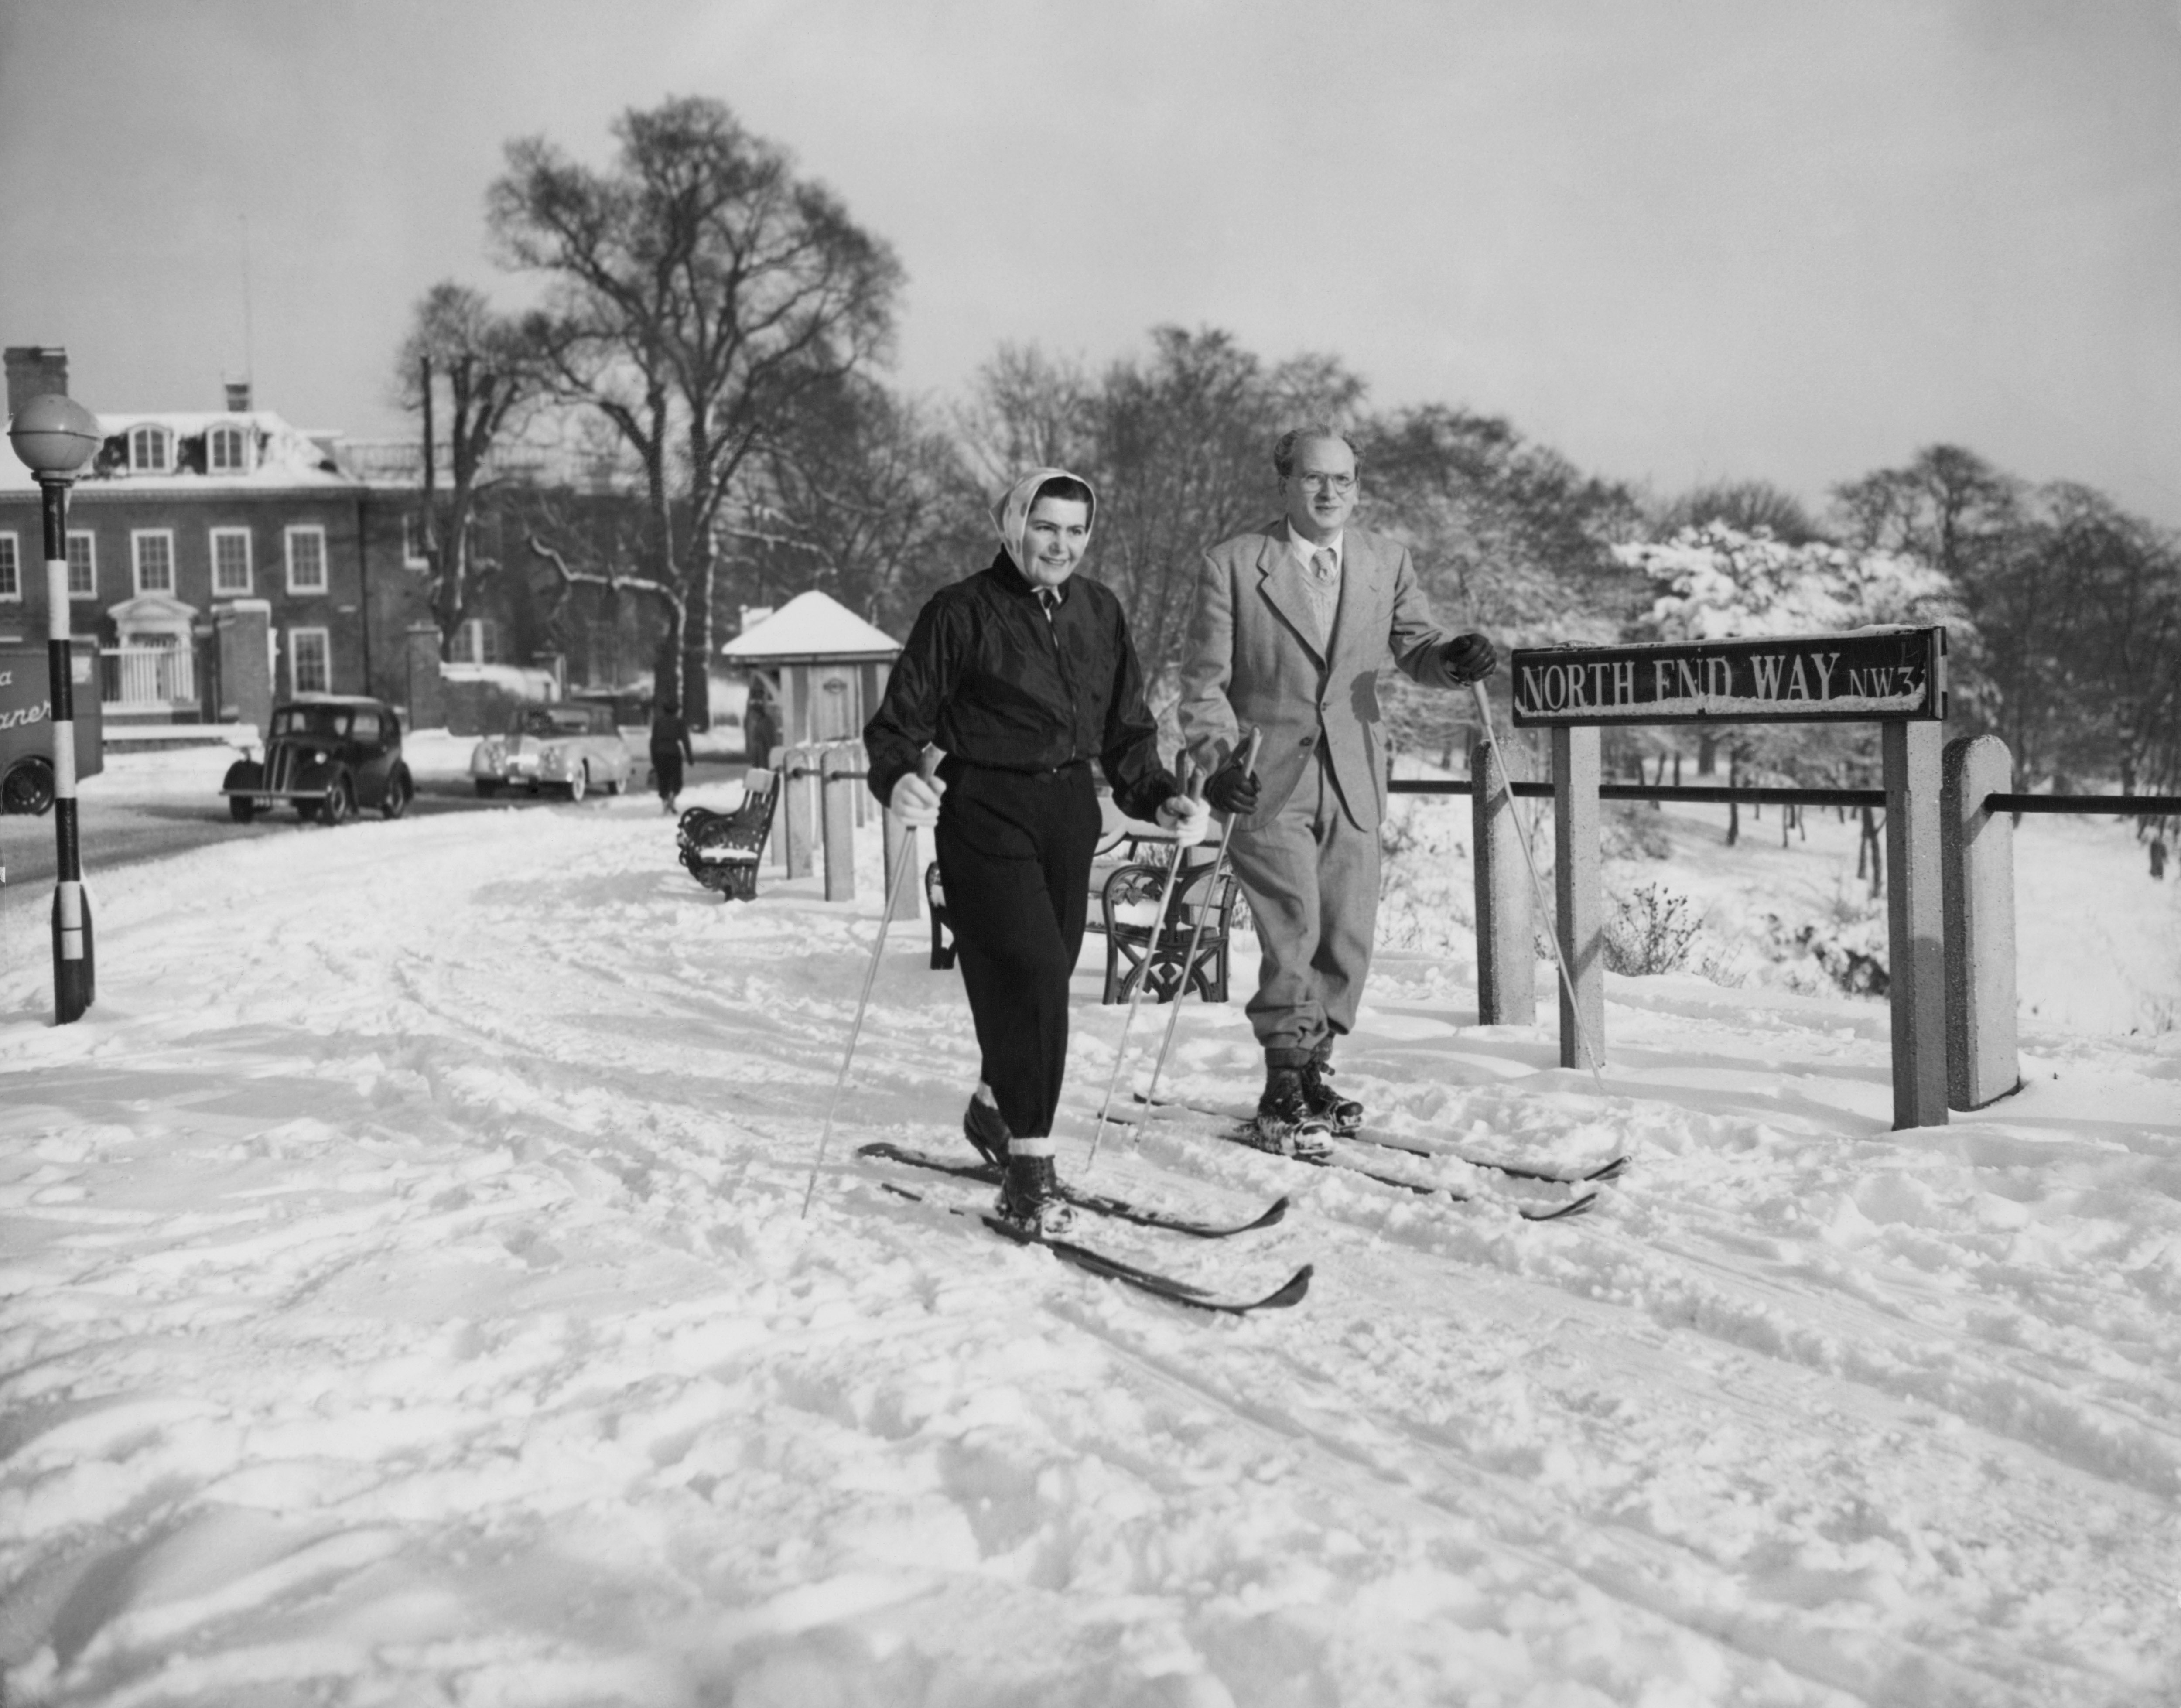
[1011, 514]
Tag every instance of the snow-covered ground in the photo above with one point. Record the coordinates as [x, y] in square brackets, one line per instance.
[403, 1300]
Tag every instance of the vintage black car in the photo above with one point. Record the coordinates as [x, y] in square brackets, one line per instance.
[329, 755]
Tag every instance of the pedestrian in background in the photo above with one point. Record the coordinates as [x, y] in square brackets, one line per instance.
[669, 747]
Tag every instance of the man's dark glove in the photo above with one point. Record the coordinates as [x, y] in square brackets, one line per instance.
[1469, 658]
[1232, 790]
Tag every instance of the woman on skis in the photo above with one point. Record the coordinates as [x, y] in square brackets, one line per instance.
[1022, 675]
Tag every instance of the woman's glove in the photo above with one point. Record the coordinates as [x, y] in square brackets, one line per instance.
[915, 799]
[1189, 819]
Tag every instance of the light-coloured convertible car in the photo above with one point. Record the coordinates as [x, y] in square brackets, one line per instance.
[569, 749]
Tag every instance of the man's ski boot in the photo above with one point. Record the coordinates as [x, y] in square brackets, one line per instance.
[1030, 1199]
[986, 1131]
[1285, 1124]
[1343, 1115]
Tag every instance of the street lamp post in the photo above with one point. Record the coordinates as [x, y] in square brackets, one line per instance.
[55, 438]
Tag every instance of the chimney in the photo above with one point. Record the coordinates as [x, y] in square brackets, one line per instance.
[34, 369]
[238, 397]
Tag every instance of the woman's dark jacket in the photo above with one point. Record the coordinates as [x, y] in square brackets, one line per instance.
[991, 682]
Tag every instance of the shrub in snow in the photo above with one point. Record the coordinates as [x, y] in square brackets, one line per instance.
[1651, 931]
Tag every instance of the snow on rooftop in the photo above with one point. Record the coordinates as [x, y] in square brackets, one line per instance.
[812, 624]
[282, 455]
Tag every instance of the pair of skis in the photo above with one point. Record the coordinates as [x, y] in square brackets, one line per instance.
[1237, 1132]
[1088, 1259]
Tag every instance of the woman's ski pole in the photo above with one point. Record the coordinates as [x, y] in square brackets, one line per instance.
[1196, 932]
[900, 864]
[1537, 888]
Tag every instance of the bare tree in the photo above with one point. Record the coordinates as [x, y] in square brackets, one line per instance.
[699, 289]
[1745, 506]
[863, 495]
[477, 372]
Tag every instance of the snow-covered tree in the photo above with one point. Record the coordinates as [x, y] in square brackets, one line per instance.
[1715, 583]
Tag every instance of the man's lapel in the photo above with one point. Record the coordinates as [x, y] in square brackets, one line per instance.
[1281, 584]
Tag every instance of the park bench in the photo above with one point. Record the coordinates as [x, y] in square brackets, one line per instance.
[1124, 891]
[722, 850]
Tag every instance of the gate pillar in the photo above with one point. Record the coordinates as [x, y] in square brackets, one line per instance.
[1977, 847]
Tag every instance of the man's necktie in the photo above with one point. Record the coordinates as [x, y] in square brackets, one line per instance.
[1323, 565]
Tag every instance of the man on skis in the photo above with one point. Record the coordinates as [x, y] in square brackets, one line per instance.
[1022, 675]
[1293, 621]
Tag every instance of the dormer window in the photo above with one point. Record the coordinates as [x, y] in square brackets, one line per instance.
[226, 451]
[150, 450]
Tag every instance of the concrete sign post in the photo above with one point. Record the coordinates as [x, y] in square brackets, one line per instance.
[1915, 922]
[1577, 900]
[1895, 677]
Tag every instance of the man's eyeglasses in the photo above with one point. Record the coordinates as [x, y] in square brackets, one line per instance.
[1328, 484]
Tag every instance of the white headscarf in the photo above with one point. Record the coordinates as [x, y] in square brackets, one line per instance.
[1011, 514]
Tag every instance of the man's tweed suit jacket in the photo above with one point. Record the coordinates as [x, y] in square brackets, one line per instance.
[1254, 657]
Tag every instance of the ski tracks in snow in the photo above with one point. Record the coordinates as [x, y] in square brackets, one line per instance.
[405, 1296]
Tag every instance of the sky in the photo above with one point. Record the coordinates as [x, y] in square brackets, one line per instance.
[1678, 240]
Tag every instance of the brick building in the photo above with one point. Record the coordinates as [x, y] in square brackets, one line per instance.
[197, 540]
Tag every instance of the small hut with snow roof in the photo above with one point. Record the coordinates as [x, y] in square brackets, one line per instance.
[823, 667]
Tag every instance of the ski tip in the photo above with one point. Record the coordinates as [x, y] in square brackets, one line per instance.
[1275, 1212]
[1573, 1207]
[1290, 1292]
[1611, 1170]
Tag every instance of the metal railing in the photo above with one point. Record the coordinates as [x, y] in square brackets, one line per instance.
[2115, 806]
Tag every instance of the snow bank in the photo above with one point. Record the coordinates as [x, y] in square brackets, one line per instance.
[406, 1301]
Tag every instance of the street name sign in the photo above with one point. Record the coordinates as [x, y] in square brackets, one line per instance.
[1863, 676]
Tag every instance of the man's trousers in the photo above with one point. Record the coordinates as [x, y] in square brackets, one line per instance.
[1312, 879]
[1014, 854]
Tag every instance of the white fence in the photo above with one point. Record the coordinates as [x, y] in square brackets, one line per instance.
[147, 677]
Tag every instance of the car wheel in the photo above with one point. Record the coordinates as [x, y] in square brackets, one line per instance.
[396, 801]
[486, 787]
[29, 788]
[241, 808]
[579, 784]
[340, 804]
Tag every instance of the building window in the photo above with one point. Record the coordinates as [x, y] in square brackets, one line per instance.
[476, 642]
[153, 550]
[307, 560]
[310, 660]
[413, 555]
[230, 561]
[83, 566]
[11, 568]
[226, 451]
[150, 450]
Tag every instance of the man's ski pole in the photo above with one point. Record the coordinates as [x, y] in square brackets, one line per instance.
[900, 864]
[1135, 995]
[1537, 888]
[1196, 932]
